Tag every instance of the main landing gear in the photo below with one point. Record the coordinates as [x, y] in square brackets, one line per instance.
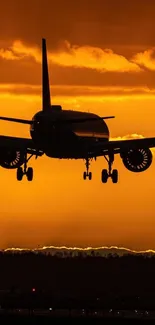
[25, 171]
[109, 173]
[106, 173]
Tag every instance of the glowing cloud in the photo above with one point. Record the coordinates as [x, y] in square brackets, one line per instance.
[74, 56]
[128, 137]
[93, 58]
[94, 93]
[20, 51]
[146, 59]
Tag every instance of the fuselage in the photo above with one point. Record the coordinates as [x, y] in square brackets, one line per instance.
[69, 140]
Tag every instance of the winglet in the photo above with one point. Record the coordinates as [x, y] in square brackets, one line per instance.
[46, 101]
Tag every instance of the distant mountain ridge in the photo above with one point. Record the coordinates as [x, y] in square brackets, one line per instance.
[64, 251]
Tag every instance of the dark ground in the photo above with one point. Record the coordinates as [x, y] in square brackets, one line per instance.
[43, 320]
[86, 287]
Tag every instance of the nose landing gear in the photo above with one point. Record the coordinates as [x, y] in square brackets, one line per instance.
[87, 174]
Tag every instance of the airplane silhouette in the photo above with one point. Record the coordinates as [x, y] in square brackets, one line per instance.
[67, 134]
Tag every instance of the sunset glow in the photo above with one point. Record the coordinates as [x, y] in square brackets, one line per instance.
[101, 60]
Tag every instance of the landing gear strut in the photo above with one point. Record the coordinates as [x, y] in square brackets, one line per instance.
[113, 173]
[87, 173]
[25, 171]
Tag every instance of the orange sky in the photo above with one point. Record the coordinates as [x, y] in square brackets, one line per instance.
[102, 60]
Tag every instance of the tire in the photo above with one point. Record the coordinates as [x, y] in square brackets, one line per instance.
[29, 174]
[90, 176]
[19, 173]
[114, 176]
[84, 175]
[104, 176]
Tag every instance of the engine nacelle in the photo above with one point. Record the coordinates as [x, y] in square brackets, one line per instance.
[137, 160]
[11, 158]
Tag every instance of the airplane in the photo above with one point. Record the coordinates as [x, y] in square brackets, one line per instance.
[67, 134]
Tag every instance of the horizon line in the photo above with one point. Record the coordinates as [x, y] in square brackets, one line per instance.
[78, 248]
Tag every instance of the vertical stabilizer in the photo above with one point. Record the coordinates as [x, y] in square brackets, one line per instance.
[46, 101]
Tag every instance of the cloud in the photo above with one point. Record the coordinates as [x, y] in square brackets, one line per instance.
[19, 51]
[131, 137]
[74, 56]
[94, 93]
[108, 22]
[78, 70]
[93, 58]
[145, 59]
[128, 137]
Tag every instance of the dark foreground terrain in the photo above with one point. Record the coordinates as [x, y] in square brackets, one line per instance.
[95, 288]
[88, 320]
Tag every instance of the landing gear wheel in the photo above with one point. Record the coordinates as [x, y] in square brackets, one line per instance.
[25, 171]
[84, 175]
[114, 176]
[104, 176]
[90, 176]
[20, 174]
[29, 174]
[87, 173]
[113, 173]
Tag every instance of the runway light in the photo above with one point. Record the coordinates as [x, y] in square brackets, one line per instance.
[33, 289]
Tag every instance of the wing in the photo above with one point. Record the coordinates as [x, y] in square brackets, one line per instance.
[57, 121]
[20, 144]
[119, 146]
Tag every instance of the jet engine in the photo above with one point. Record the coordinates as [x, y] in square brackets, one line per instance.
[11, 158]
[137, 160]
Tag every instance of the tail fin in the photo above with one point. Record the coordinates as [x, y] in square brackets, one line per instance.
[46, 101]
